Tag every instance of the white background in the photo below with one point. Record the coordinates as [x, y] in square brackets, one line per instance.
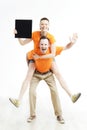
[66, 17]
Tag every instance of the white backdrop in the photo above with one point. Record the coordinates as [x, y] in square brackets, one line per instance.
[66, 17]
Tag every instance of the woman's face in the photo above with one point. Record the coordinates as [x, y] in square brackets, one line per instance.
[44, 25]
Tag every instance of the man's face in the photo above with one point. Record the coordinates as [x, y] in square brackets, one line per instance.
[44, 45]
[44, 25]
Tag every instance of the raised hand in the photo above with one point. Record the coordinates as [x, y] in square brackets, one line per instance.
[73, 39]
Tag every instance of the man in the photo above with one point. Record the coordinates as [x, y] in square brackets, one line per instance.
[43, 72]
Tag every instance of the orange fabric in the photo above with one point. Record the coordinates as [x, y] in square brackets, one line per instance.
[32, 52]
[36, 38]
[43, 65]
[59, 49]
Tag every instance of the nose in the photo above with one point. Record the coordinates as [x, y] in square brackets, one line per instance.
[43, 46]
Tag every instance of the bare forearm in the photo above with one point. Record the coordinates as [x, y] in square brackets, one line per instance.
[47, 56]
[69, 45]
[73, 40]
[50, 55]
[23, 42]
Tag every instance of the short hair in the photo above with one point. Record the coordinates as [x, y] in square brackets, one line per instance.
[44, 37]
[44, 18]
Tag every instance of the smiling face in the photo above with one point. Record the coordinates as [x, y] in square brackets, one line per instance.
[44, 25]
[44, 45]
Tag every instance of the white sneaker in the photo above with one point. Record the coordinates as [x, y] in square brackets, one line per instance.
[31, 118]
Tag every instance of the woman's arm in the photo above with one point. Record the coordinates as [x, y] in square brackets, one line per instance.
[50, 55]
[21, 41]
[73, 40]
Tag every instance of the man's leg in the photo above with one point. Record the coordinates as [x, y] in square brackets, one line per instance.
[32, 97]
[50, 80]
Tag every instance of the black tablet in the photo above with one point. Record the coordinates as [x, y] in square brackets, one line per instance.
[24, 28]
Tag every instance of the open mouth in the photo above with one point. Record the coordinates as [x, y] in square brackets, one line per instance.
[43, 49]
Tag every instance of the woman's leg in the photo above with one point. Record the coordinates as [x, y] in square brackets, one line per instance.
[60, 78]
[26, 82]
[63, 84]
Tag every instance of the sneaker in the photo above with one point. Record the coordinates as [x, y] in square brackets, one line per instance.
[15, 102]
[75, 97]
[60, 119]
[31, 118]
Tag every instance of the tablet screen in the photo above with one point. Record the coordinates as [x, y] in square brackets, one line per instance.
[24, 28]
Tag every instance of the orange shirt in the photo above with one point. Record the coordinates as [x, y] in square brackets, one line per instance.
[36, 38]
[44, 65]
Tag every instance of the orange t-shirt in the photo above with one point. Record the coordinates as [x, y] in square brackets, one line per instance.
[44, 65]
[36, 39]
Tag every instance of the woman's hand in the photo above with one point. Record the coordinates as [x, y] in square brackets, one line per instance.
[15, 31]
[35, 56]
[73, 39]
